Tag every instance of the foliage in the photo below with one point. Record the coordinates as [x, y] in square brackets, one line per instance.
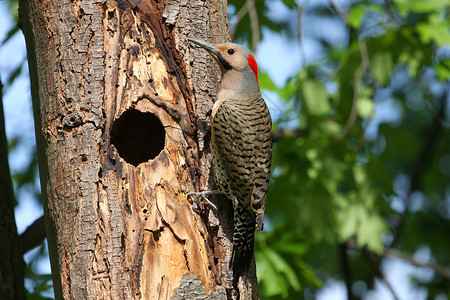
[361, 154]
[38, 284]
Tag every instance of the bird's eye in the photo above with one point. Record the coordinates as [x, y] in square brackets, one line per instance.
[230, 51]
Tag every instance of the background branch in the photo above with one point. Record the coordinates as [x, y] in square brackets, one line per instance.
[11, 261]
[375, 262]
[423, 160]
[283, 133]
[441, 270]
[365, 66]
[391, 13]
[33, 236]
[346, 269]
[254, 23]
[239, 15]
[301, 9]
[342, 14]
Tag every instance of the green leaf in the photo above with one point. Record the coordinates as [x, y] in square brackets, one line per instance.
[366, 107]
[436, 31]
[367, 227]
[265, 82]
[283, 267]
[14, 9]
[14, 74]
[9, 35]
[292, 248]
[290, 89]
[316, 98]
[356, 15]
[308, 274]
[272, 281]
[331, 127]
[382, 66]
[370, 233]
[350, 219]
[443, 70]
[414, 60]
[419, 6]
[360, 175]
[290, 3]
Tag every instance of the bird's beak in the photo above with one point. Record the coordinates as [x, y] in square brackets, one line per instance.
[214, 52]
[205, 45]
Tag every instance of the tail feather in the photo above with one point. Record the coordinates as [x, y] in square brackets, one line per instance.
[243, 244]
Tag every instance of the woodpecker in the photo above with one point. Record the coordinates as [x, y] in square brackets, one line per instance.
[241, 145]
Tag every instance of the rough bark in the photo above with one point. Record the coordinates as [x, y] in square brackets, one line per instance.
[11, 261]
[122, 107]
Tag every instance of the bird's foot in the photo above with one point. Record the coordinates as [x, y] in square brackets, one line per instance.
[203, 195]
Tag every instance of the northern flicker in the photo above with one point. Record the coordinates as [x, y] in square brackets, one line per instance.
[241, 146]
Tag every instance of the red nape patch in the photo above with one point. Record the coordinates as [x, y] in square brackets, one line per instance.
[252, 63]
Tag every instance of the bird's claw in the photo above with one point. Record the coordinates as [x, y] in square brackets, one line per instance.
[203, 195]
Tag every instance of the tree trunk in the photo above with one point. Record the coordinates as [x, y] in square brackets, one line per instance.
[122, 139]
[11, 260]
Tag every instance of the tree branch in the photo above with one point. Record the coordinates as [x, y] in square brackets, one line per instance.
[346, 269]
[254, 22]
[239, 15]
[391, 13]
[441, 270]
[375, 263]
[11, 262]
[283, 133]
[250, 9]
[300, 11]
[342, 14]
[424, 159]
[365, 65]
[374, 260]
[33, 236]
[354, 110]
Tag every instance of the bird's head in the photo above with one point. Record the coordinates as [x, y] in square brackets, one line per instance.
[238, 66]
